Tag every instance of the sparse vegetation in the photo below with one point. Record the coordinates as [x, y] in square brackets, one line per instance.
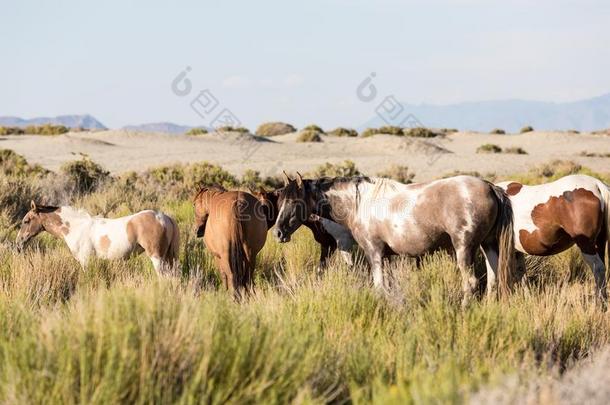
[345, 169]
[274, 129]
[313, 127]
[13, 164]
[517, 150]
[228, 128]
[370, 132]
[399, 173]
[196, 131]
[420, 132]
[340, 131]
[390, 130]
[526, 129]
[489, 148]
[44, 129]
[595, 154]
[497, 131]
[448, 130]
[309, 136]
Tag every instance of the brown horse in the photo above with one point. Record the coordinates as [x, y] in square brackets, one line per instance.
[330, 235]
[234, 229]
[552, 217]
[385, 217]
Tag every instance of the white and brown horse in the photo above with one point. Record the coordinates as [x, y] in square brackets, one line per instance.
[552, 217]
[150, 231]
[386, 217]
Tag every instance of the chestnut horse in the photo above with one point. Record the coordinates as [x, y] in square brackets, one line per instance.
[552, 217]
[234, 229]
[330, 235]
[386, 217]
[150, 231]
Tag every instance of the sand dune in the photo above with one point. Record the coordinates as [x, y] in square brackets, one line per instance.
[121, 150]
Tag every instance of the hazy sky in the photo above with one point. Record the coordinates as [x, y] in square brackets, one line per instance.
[294, 61]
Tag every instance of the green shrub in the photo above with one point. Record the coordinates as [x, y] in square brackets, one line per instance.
[84, 175]
[527, 128]
[497, 131]
[340, 131]
[228, 128]
[313, 127]
[274, 129]
[489, 148]
[309, 136]
[515, 150]
[419, 132]
[345, 169]
[399, 173]
[196, 131]
[252, 179]
[183, 180]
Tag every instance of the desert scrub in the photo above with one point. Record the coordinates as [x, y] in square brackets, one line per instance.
[345, 169]
[489, 148]
[11, 130]
[594, 154]
[251, 179]
[274, 129]
[196, 131]
[340, 131]
[228, 128]
[516, 150]
[313, 127]
[448, 130]
[390, 130]
[84, 175]
[309, 136]
[13, 164]
[399, 173]
[420, 132]
[526, 129]
[370, 132]
[497, 131]
[46, 129]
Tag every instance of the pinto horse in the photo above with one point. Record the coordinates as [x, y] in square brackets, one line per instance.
[330, 235]
[234, 229]
[552, 217]
[151, 231]
[386, 217]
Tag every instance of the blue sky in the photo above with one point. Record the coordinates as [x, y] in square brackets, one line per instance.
[294, 61]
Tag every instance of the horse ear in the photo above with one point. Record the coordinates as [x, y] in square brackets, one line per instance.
[33, 206]
[299, 180]
[286, 178]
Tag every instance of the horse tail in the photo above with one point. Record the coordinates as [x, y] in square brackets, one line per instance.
[238, 259]
[507, 264]
[605, 191]
[173, 251]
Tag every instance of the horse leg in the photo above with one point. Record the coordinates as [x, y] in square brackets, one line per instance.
[490, 252]
[326, 252]
[465, 255]
[596, 263]
[375, 256]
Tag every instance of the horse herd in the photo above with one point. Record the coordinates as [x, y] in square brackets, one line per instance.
[461, 214]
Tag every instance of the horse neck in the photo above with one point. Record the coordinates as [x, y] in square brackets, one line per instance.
[338, 203]
[66, 220]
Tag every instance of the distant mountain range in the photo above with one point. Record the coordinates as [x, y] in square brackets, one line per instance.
[71, 121]
[167, 127]
[510, 115]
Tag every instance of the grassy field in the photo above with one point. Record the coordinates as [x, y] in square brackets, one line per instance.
[118, 333]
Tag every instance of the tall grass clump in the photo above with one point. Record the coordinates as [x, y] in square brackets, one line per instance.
[84, 175]
[420, 132]
[345, 169]
[399, 173]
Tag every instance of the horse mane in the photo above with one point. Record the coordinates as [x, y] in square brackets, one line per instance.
[323, 184]
[215, 187]
[45, 209]
[69, 210]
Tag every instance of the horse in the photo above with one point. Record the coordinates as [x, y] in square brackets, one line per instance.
[552, 217]
[330, 235]
[387, 218]
[153, 232]
[234, 228]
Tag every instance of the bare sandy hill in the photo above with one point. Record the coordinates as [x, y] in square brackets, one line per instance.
[121, 150]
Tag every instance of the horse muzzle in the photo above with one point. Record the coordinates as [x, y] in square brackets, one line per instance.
[281, 237]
